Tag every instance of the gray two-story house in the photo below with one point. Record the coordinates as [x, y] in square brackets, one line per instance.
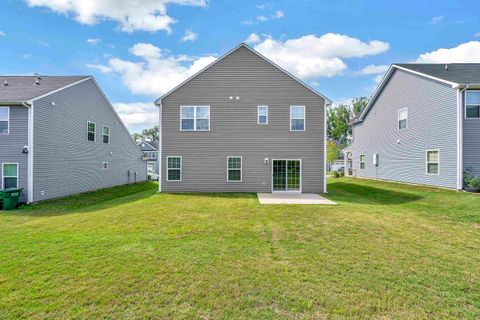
[422, 126]
[60, 136]
[242, 124]
[150, 152]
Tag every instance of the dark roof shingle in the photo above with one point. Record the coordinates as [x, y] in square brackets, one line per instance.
[461, 73]
[24, 88]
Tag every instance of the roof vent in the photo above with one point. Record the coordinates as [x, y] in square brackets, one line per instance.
[37, 79]
[446, 67]
[5, 83]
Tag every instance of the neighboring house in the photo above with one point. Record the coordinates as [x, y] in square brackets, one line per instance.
[60, 136]
[421, 126]
[150, 151]
[242, 124]
[339, 163]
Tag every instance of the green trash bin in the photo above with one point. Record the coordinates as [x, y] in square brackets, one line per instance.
[10, 198]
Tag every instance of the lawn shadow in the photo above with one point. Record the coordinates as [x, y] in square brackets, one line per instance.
[362, 194]
[89, 201]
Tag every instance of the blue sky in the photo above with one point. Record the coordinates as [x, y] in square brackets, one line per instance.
[136, 53]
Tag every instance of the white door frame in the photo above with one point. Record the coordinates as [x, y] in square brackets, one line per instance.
[301, 174]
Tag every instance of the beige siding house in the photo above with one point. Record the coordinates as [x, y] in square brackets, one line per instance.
[242, 124]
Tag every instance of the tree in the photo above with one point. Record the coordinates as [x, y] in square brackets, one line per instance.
[359, 104]
[333, 151]
[151, 134]
[137, 137]
[338, 126]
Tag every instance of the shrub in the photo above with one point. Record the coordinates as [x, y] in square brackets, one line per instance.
[470, 180]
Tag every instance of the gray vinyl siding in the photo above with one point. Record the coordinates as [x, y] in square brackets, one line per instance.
[11, 147]
[432, 115]
[471, 142]
[65, 163]
[234, 130]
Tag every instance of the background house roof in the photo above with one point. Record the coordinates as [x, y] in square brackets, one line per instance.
[148, 145]
[24, 88]
[461, 73]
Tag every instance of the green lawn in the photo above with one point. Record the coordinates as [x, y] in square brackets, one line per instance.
[385, 251]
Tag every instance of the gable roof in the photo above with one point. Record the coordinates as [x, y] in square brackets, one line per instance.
[242, 45]
[148, 145]
[24, 88]
[456, 75]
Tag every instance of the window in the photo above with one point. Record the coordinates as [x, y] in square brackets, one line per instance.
[402, 118]
[433, 162]
[174, 168]
[105, 165]
[362, 161]
[151, 167]
[10, 175]
[297, 118]
[4, 120]
[106, 134]
[91, 129]
[472, 104]
[234, 169]
[262, 115]
[195, 118]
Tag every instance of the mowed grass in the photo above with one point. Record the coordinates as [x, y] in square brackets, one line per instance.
[385, 251]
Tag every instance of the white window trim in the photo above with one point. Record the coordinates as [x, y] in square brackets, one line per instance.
[181, 169]
[426, 162]
[103, 165]
[195, 118]
[304, 119]
[151, 164]
[8, 121]
[465, 105]
[398, 119]
[364, 162]
[106, 135]
[258, 115]
[94, 133]
[17, 176]
[241, 169]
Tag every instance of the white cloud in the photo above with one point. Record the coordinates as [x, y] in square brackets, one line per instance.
[374, 69]
[27, 56]
[94, 41]
[2, 34]
[158, 72]
[277, 15]
[465, 52]
[310, 57]
[477, 35]
[252, 38]
[436, 19]
[99, 67]
[137, 114]
[189, 36]
[146, 15]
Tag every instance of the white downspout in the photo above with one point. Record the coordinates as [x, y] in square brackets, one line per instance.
[325, 147]
[160, 136]
[460, 137]
[29, 106]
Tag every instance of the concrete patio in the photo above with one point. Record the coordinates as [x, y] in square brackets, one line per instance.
[292, 198]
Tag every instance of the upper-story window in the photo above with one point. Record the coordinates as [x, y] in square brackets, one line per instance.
[297, 118]
[472, 104]
[91, 131]
[105, 134]
[402, 118]
[4, 120]
[195, 118]
[262, 115]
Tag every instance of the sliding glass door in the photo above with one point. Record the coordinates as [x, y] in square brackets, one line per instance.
[286, 175]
